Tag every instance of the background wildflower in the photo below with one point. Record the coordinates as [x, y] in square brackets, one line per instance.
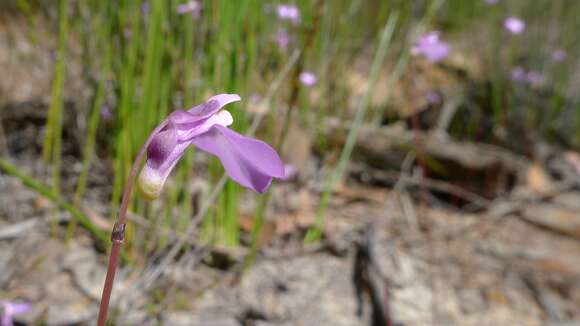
[127, 33]
[518, 74]
[145, 8]
[282, 39]
[434, 97]
[289, 12]
[106, 113]
[193, 7]
[514, 25]
[308, 78]
[559, 55]
[10, 308]
[534, 79]
[431, 47]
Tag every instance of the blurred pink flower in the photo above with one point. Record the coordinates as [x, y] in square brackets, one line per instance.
[289, 12]
[491, 2]
[10, 308]
[52, 54]
[514, 25]
[434, 97]
[193, 7]
[145, 8]
[431, 47]
[283, 39]
[534, 79]
[106, 113]
[308, 78]
[559, 55]
[518, 74]
[255, 98]
[127, 33]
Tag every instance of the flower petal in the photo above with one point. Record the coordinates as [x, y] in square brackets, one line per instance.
[250, 162]
[161, 146]
[430, 46]
[187, 131]
[204, 110]
[6, 320]
[162, 155]
[153, 177]
[18, 308]
[220, 100]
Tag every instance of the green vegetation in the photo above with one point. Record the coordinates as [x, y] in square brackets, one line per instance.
[146, 59]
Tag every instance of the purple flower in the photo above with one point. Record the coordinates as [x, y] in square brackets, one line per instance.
[518, 74]
[145, 8]
[193, 7]
[127, 33]
[289, 12]
[9, 308]
[255, 98]
[308, 78]
[431, 47]
[53, 55]
[514, 25]
[434, 98]
[283, 39]
[534, 79]
[559, 55]
[106, 113]
[248, 161]
[491, 2]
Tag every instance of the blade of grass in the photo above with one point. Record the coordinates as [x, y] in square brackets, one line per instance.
[53, 138]
[94, 118]
[315, 232]
[55, 197]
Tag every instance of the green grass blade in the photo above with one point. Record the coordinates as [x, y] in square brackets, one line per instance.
[53, 196]
[315, 232]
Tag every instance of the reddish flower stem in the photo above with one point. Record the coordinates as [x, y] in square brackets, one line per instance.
[118, 233]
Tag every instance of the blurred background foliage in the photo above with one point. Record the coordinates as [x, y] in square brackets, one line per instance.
[141, 59]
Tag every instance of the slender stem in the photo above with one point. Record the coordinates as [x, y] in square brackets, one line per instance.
[110, 278]
[118, 234]
[299, 58]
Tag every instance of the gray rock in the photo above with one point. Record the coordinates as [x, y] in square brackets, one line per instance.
[192, 319]
[310, 290]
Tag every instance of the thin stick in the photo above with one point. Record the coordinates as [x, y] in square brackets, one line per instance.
[118, 234]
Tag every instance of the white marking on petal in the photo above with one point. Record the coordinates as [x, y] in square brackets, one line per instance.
[223, 118]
